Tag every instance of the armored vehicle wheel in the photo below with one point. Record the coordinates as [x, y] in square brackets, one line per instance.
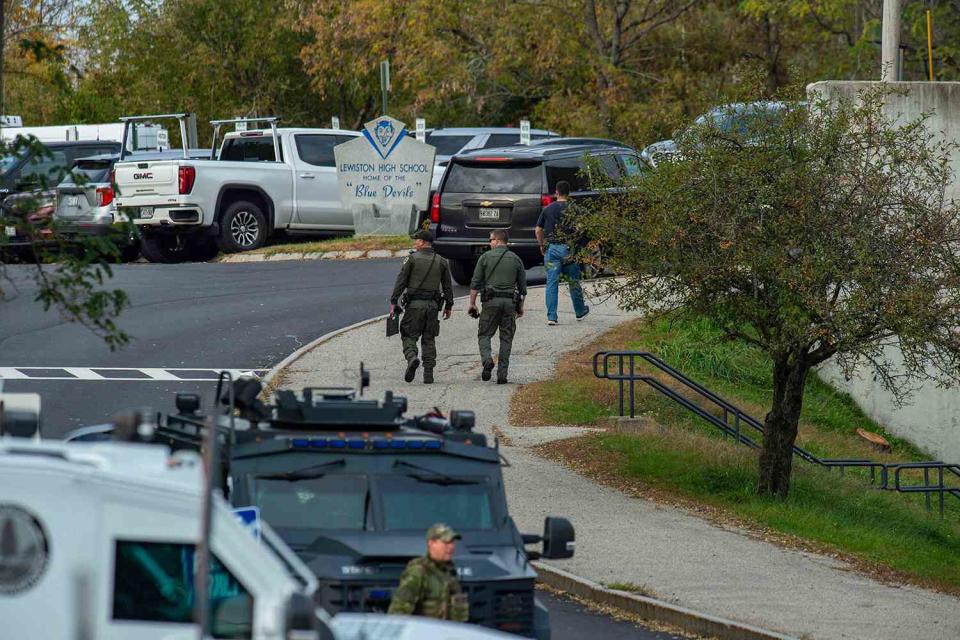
[243, 227]
[462, 271]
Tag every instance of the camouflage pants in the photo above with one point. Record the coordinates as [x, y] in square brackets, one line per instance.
[421, 322]
[498, 313]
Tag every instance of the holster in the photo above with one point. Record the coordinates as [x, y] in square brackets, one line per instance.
[486, 294]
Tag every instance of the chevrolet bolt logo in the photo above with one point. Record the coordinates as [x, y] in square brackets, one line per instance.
[485, 203]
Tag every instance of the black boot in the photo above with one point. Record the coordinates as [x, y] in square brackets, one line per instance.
[502, 376]
[487, 370]
[411, 371]
[427, 376]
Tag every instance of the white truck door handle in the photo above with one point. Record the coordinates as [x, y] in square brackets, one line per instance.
[308, 176]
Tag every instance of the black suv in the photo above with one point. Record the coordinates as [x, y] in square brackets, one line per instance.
[506, 189]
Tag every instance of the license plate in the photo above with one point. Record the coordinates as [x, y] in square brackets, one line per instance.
[10, 231]
[146, 212]
[489, 214]
[73, 201]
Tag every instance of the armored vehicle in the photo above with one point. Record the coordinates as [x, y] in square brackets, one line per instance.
[351, 485]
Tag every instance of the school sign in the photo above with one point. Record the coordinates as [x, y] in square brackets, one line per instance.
[384, 177]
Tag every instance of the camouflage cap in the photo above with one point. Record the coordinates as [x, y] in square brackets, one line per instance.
[424, 235]
[442, 532]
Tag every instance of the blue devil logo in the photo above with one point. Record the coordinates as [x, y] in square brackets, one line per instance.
[385, 132]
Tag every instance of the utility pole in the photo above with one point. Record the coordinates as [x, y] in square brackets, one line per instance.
[890, 42]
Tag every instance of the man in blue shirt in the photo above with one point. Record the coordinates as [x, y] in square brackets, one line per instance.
[553, 237]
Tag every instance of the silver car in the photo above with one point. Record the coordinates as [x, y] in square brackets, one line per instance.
[86, 204]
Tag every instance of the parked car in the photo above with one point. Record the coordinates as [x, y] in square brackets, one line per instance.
[727, 117]
[26, 169]
[507, 189]
[237, 201]
[27, 177]
[86, 203]
[450, 141]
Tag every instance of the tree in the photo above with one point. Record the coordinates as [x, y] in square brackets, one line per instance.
[820, 233]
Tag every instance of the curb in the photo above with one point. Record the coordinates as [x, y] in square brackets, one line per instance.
[372, 254]
[652, 609]
[299, 353]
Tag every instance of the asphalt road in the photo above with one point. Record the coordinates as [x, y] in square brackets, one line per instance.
[570, 620]
[186, 321]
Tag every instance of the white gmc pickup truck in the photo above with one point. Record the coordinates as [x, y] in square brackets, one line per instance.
[260, 181]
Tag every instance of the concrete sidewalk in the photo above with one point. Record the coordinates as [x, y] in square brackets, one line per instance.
[681, 558]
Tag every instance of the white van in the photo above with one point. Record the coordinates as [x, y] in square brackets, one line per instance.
[97, 542]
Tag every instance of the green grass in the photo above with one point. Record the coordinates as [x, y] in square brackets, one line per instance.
[692, 459]
[349, 243]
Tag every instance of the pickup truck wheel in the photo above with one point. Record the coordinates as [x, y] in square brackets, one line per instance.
[462, 271]
[243, 227]
[165, 249]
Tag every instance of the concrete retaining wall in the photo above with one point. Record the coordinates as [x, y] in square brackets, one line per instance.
[932, 418]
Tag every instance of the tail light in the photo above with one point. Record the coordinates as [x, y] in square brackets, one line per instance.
[104, 196]
[187, 177]
[547, 199]
[435, 208]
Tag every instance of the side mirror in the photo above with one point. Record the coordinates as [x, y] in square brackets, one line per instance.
[20, 415]
[302, 621]
[558, 538]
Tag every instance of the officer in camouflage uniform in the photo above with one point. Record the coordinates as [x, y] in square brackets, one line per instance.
[421, 278]
[429, 585]
[501, 281]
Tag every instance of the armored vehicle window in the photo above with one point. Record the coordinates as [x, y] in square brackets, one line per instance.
[335, 501]
[259, 149]
[153, 581]
[416, 502]
[499, 177]
[448, 145]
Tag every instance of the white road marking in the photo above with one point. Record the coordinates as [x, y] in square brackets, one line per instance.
[146, 374]
[83, 374]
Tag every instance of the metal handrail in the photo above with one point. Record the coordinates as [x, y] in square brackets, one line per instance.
[626, 375]
[728, 408]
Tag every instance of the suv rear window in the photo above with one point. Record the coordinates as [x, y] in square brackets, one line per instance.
[248, 150]
[448, 145]
[497, 177]
[93, 170]
[501, 140]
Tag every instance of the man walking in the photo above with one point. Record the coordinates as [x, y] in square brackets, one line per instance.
[429, 585]
[553, 237]
[501, 281]
[420, 281]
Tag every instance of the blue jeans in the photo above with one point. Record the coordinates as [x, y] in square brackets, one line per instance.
[553, 261]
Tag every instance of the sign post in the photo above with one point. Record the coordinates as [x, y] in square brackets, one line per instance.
[384, 83]
[384, 177]
[334, 122]
[524, 132]
[421, 130]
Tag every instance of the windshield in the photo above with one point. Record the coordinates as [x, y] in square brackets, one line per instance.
[334, 501]
[497, 177]
[92, 170]
[415, 502]
[9, 161]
